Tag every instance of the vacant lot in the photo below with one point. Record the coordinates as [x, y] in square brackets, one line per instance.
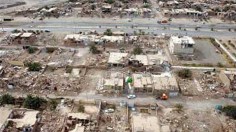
[206, 53]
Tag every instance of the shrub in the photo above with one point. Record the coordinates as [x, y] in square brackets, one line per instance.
[230, 111]
[81, 108]
[31, 102]
[108, 32]
[7, 99]
[137, 50]
[94, 49]
[34, 66]
[110, 1]
[32, 50]
[179, 107]
[53, 104]
[185, 73]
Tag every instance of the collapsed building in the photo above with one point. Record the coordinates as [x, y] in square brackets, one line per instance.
[83, 40]
[22, 38]
[79, 122]
[229, 79]
[141, 122]
[123, 59]
[19, 120]
[155, 84]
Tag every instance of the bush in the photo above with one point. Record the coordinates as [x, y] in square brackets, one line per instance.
[108, 32]
[137, 50]
[179, 107]
[220, 64]
[32, 50]
[94, 49]
[230, 111]
[7, 99]
[53, 104]
[110, 1]
[34, 66]
[146, 6]
[31, 102]
[81, 108]
[185, 73]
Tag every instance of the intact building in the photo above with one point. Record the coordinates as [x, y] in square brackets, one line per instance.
[181, 45]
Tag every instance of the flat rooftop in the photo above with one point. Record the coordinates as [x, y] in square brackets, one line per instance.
[116, 57]
[28, 119]
[142, 80]
[182, 39]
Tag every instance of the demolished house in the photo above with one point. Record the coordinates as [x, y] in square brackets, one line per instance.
[155, 84]
[22, 120]
[78, 122]
[181, 45]
[83, 40]
[228, 78]
[115, 82]
[117, 59]
[79, 39]
[142, 83]
[165, 83]
[141, 122]
[22, 38]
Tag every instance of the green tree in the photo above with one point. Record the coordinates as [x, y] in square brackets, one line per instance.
[32, 50]
[179, 107]
[108, 32]
[94, 49]
[81, 108]
[185, 73]
[34, 66]
[7, 99]
[53, 104]
[230, 111]
[110, 1]
[32, 102]
[137, 50]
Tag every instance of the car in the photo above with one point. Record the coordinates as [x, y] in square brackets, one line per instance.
[109, 110]
[131, 96]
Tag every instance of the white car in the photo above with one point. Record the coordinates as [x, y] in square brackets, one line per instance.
[131, 96]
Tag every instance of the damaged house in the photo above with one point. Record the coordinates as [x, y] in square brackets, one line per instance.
[22, 38]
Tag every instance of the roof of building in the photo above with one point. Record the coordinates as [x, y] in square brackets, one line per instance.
[182, 39]
[80, 37]
[5, 113]
[116, 57]
[28, 119]
[142, 80]
[26, 35]
[114, 82]
[16, 63]
[15, 34]
[113, 38]
[141, 58]
[79, 115]
[165, 82]
[145, 123]
[149, 59]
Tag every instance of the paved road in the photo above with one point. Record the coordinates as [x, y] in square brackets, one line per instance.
[194, 103]
[100, 25]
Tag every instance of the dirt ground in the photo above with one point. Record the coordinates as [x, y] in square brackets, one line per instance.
[204, 54]
[195, 120]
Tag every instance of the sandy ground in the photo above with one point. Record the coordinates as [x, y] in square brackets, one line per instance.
[29, 3]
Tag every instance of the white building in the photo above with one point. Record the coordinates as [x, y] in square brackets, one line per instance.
[181, 45]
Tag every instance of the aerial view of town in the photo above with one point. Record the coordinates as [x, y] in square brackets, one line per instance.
[117, 65]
